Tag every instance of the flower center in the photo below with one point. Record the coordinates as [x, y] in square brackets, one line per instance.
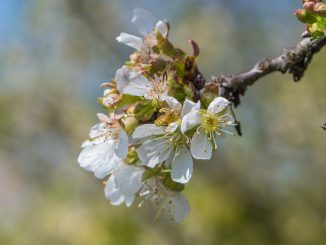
[158, 87]
[107, 131]
[168, 116]
[210, 122]
[177, 139]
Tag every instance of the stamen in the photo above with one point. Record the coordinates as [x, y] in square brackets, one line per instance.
[214, 141]
[227, 132]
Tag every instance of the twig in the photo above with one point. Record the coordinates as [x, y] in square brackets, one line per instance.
[238, 123]
[293, 60]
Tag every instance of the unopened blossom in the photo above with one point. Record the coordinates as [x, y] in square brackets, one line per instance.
[106, 146]
[209, 124]
[172, 202]
[110, 98]
[167, 144]
[134, 83]
[123, 184]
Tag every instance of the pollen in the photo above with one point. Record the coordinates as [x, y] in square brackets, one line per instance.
[210, 123]
[158, 87]
[168, 116]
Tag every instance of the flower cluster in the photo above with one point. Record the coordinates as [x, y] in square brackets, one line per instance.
[155, 123]
[313, 14]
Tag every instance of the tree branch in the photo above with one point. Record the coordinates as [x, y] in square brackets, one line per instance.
[293, 60]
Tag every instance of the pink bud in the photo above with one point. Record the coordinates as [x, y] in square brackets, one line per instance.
[305, 16]
[309, 5]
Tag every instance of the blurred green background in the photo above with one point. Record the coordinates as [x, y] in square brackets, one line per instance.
[267, 187]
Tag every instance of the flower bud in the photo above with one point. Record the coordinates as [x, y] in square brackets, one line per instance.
[110, 98]
[312, 1]
[309, 6]
[209, 93]
[130, 123]
[320, 9]
[305, 16]
[316, 30]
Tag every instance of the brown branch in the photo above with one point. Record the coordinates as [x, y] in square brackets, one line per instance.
[292, 60]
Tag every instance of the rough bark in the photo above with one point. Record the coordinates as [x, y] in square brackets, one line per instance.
[293, 60]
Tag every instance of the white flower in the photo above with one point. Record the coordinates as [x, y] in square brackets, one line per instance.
[145, 23]
[187, 107]
[124, 182]
[131, 41]
[167, 144]
[107, 145]
[134, 83]
[170, 201]
[211, 124]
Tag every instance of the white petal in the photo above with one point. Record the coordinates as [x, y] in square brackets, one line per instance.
[180, 207]
[218, 105]
[163, 96]
[130, 40]
[138, 85]
[99, 159]
[173, 103]
[94, 132]
[97, 133]
[147, 130]
[189, 106]
[107, 92]
[86, 143]
[159, 157]
[121, 149]
[154, 151]
[163, 28]
[128, 179]
[182, 166]
[144, 21]
[190, 120]
[201, 147]
[129, 82]
[122, 77]
[103, 118]
[172, 127]
[112, 193]
[129, 200]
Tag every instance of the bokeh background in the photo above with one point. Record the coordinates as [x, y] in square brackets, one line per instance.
[267, 187]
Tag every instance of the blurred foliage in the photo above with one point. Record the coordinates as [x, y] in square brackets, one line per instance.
[267, 187]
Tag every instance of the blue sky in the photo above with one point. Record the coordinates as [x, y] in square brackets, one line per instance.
[12, 14]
